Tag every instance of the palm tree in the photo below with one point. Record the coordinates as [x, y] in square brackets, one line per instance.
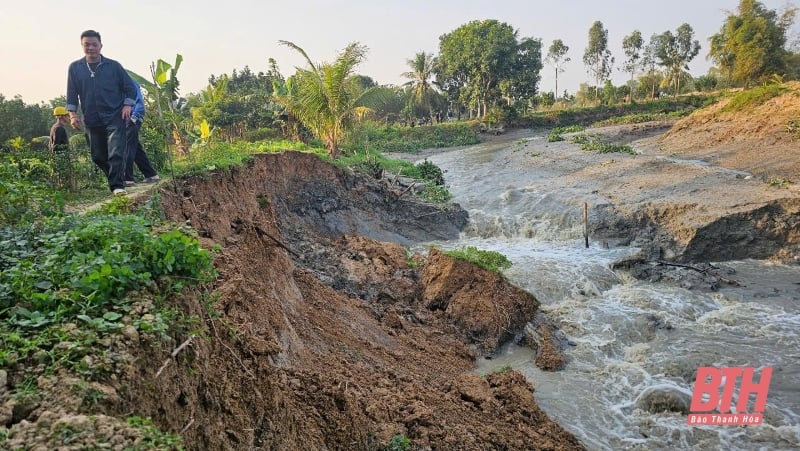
[420, 75]
[326, 97]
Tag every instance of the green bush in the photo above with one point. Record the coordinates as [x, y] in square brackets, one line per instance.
[592, 143]
[430, 172]
[489, 260]
[86, 265]
[399, 443]
[22, 200]
[435, 193]
[555, 133]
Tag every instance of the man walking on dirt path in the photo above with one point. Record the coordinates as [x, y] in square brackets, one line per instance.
[106, 95]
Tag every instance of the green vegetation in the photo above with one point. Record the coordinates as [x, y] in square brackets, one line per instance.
[751, 44]
[435, 193]
[70, 282]
[325, 98]
[752, 98]
[399, 443]
[555, 134]
[430, 172]
[642, 117]
[410, 261]
[153, 438]
[593, 144]
[482, 64]
[586, 116]
[413, 139]
[489, 260]
[220, 155]
[779, 182]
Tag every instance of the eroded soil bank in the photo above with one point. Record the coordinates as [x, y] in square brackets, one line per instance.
[317, 335]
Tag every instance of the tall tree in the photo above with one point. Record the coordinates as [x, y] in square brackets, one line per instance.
[649, 63]
[420, 76]
[597, 57]
[752, 44]
[632, 46]
[557, 57]
[326, 97]
[521, 85]
[476, 57]
[22, 120]
[675, 51]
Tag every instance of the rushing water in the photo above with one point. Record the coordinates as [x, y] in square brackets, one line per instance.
[630, 337]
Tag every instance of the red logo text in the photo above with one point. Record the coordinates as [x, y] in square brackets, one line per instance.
[714, 389]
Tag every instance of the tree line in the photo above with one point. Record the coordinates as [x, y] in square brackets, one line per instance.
[483, 69]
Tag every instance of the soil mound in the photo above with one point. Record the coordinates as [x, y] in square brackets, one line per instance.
[762, 139]
[335, 346]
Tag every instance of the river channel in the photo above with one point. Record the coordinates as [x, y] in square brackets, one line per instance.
[628, 338]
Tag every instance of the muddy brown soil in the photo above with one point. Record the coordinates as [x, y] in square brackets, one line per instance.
[316, 335]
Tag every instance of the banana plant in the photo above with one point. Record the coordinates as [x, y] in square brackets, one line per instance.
[163, 92]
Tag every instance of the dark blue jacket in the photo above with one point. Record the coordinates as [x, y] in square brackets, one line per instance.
[138, 110]
[101, 96]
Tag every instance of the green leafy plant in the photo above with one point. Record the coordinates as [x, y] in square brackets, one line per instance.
[489, 260]
[119, 205]
[435, 193]
[371, 166]
[399, 443]
[410, 262]
[430, 172]
[555, 133]
[594, 144]
[21, 200]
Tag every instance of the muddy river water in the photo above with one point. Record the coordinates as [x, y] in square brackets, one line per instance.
[629, 339]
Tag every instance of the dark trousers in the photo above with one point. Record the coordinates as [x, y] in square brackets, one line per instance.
[134, 153]
[107, 144]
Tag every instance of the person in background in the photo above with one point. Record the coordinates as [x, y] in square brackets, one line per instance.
[106, 95]
[59, 146]
[134, 152]
[59, 141]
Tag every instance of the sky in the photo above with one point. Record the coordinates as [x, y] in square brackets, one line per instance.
[41, 37]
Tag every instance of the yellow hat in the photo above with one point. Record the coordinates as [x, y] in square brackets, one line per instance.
[60, 111]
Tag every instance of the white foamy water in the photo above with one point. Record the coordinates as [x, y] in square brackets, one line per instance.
[629, 337]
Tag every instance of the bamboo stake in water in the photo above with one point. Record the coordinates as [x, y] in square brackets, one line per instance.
[586, 224]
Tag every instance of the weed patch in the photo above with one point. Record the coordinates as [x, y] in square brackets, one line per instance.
[592, 143]
[489, 260]
[751, 98]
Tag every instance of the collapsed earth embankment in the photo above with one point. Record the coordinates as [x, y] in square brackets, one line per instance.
[315, 335]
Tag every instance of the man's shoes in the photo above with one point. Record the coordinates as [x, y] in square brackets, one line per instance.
[120, 192]
[129, 183]
[153, 179]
